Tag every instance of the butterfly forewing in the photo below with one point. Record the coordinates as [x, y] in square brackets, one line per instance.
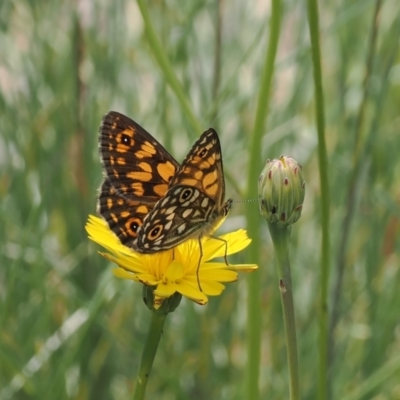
[137, 172]
[134, 162]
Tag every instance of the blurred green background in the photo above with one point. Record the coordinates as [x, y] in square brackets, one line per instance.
[69, 329]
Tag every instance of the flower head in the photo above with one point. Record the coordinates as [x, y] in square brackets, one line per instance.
[180, 270]
[281, 190]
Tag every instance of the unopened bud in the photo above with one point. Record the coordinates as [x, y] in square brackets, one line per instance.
[281, 190]
[165, 306]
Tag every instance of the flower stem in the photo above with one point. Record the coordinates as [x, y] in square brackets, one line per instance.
[280, 237]
[149, 353]
[313, 18]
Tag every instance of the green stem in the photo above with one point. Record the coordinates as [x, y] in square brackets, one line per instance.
[325, 203]
[280, 238]
[149, 353]
[252, 213]
[161, 57]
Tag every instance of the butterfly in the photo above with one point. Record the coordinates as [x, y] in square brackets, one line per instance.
[150, 201]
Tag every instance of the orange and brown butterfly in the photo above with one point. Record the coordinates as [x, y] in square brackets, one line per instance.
[149, 201]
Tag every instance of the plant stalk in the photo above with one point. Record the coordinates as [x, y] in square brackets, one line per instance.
[149, 353]
[323, 317]
[280, 237]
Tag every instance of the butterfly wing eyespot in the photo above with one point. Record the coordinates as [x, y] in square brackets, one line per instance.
[203, 152]
[133, 226]
[126, 140]
[185, 195]
[155, 232]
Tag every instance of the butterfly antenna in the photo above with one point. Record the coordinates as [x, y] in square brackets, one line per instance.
[245, 201]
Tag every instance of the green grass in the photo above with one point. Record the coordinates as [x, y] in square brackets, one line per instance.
[68, 328]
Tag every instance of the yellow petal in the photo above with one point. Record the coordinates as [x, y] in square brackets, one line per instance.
[128, 263]
[220, 275]
[237, 240]
[212, 288]
[243, 267]
[100, 233]
[165, 289]
[175, 271]
[225, 245]
[231, 267]
[121, 273]
[148, 279]
[196, 296]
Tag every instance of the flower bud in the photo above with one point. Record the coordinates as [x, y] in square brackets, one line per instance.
[281, 190]
[164, 306]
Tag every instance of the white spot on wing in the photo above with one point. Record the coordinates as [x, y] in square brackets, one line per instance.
[170, 210]
[168, 225]
[187, 212]
[181, 228]
[196, 213]
[204, 203]
[171, 217]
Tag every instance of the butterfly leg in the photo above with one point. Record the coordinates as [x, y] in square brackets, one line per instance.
[201, 256]
[226, 247]
[198, 265]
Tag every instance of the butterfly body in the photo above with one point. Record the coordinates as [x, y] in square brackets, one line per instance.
[150, 201]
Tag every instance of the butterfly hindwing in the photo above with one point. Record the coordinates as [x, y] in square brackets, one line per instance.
[123, 215]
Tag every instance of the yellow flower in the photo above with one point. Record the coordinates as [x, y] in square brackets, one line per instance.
[175, 271]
